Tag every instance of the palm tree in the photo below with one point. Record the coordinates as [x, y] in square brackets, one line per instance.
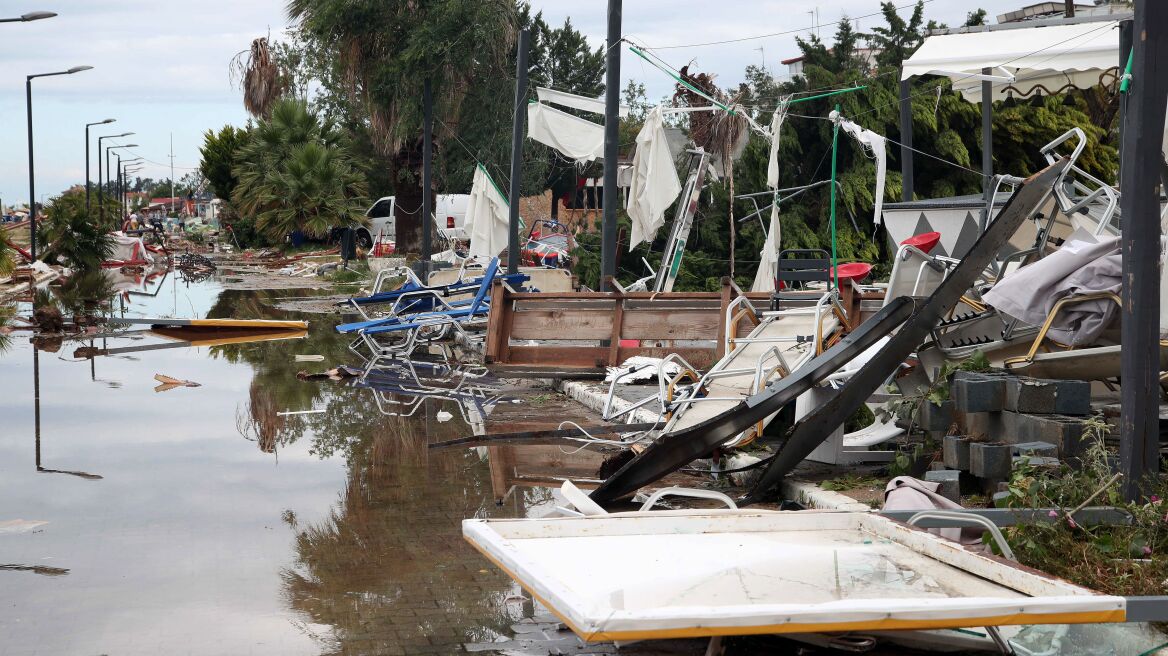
[295, 173]
[260, 78]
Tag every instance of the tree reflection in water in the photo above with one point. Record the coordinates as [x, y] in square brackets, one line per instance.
[388, 567]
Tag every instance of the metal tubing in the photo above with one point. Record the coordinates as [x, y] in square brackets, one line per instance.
[813, 429]
[1140, 249]
[517, 150]
[611, 143]
[31, 173]
[987, 143]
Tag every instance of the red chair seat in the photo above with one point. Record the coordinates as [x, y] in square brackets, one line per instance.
[854, 271]
[924, 241]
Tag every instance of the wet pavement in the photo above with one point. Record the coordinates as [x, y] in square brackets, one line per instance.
[197, 520]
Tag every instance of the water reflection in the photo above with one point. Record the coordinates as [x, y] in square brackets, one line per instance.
[335, 532]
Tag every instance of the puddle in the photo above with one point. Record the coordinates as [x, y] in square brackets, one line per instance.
[200, 520]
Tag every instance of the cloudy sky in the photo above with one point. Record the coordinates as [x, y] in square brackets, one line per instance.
[161, 66]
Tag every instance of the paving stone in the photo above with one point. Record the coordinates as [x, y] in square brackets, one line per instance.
[955, 452]
[973, 392]
[1030, 395]
[989, 461]
[1038, 449]
[950, 480]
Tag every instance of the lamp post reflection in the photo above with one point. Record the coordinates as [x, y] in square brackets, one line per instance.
[36, 403]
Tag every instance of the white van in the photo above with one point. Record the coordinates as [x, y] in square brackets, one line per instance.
[450, 216]
[449, 219]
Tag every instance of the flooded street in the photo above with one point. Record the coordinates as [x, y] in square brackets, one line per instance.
[197, 520]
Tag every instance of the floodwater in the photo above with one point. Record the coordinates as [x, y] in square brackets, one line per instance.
[196, 520]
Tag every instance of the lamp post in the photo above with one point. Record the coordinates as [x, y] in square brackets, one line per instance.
[100, 190]
[107, 163]
[30, 16]
[130, 170]
[31, 176]
[87, 126]
[123, 170]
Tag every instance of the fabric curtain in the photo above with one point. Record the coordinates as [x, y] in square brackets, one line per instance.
[572, 136]
[654, 186]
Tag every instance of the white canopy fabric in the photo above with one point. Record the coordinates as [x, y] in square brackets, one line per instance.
[486, 216]
[573, 136]
[655, 185]
[768, 266]
[874, 144]
[565, 99]
[1051, 55]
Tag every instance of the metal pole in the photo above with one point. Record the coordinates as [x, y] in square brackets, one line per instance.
[111, 184]
[87, 172]
[987, 145]
[100, 207]
[834, 151]
[427, 165]
[611, 142]
[517, 150]
[118, 190]
[906, 135]
[1140, 248]
[31, 173]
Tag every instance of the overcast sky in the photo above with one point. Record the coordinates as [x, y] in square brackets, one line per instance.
[161, 66]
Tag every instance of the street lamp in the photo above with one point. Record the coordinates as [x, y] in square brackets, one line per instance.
[87, 126]
[100, 190]
[107, 164]
[30, 16]
[31, 177]
[122, 180]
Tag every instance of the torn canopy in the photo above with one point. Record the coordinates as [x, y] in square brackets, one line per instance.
[487, 216]
[574, 137]
[654, 185]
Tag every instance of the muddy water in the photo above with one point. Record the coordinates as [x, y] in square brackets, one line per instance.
[195, 520]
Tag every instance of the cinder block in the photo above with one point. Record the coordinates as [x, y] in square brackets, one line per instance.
[1072, 397]
[982, 425]
[990, 461]
[955, 450]
[1036, 449]
[934, 417]
[950, 480]
[1066, 433]
[1030, 395]
[1037, 461]
[972, 392]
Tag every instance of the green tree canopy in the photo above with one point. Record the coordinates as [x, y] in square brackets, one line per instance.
[295, 173]
[218, 159]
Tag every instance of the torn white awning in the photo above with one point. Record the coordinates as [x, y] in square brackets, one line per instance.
[584, 103]
[576, 138]
[487, 216]
[1051, 55]
[654, 186]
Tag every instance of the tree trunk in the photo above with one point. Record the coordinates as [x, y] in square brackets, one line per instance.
[407, 207]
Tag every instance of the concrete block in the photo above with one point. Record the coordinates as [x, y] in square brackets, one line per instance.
[1036, 449]
[977, 392]
[1030, 395]
[950, 480]
[955, 450]
[1066, 433]
[1072, 397]
[934, 417]
[983, 425]
[1038, 461]
[990, 461]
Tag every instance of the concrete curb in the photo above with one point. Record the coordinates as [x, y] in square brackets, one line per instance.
[592, 395]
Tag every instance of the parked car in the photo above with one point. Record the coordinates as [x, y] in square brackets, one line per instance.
[449, 219]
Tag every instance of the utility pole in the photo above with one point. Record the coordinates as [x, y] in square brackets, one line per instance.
[427, 165]
[906, 134]
[1070, 8]
[1139, 448]
[517, 150]
[611, 143]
